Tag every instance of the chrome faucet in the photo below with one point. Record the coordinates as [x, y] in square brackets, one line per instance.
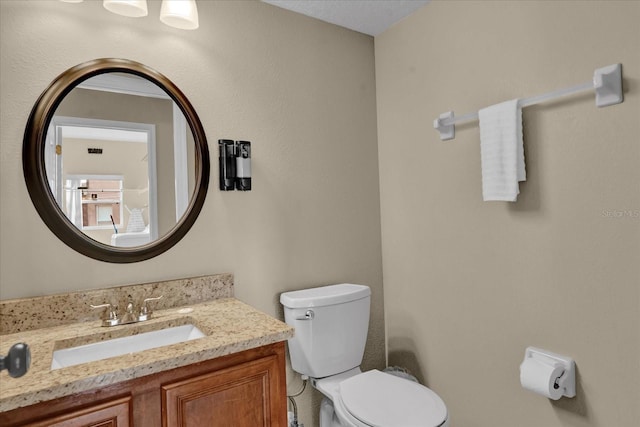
[131, 315]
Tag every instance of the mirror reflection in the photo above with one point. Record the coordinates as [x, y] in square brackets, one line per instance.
[93, 202]
[120, 160]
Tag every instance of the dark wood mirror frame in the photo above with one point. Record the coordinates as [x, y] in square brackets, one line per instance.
[35, 175]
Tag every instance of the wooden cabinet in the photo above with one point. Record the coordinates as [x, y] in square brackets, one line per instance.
[245, 389]
[114, 413]
[237, 396]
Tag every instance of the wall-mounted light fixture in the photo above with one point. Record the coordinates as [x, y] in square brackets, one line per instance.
[131, 8]
[182, 14]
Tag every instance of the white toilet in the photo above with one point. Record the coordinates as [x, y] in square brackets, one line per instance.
[331, 324]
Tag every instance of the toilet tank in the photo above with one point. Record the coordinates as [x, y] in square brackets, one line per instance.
[331, 325]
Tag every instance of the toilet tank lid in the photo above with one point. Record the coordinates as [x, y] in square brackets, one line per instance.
[324, 295]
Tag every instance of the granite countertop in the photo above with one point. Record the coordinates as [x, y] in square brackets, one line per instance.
[230, 326]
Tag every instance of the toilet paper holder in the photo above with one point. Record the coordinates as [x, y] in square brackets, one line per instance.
[566, 382]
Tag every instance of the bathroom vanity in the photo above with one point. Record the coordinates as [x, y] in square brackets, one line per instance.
[233, 375]
[242, 389]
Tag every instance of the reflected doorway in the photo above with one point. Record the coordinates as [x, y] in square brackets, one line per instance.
[85, 152]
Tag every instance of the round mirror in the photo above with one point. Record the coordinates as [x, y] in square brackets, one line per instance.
[116, 160]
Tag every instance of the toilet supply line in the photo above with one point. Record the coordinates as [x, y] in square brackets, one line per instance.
[294, 421]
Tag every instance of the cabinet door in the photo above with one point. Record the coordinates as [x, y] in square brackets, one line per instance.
[244, 395]
[114, 413]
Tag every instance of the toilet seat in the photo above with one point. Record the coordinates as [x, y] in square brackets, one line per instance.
[378, 399]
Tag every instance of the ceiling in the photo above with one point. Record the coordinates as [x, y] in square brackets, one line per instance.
[371, 17]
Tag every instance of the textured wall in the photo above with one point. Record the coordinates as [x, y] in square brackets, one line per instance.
[468, 284]
[301, 90]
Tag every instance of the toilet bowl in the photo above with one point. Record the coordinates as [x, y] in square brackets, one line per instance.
[331, 324]
[374, 398]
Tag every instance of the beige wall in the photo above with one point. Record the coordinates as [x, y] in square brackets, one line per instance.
[469, 284]
[302, 91]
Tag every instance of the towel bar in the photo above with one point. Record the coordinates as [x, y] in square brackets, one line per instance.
[607, 82]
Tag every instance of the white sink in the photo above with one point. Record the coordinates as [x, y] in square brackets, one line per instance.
[125, 345]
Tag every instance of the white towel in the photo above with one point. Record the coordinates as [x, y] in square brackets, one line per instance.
[502, 151]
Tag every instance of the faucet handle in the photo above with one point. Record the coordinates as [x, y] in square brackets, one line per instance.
[145, 313]
[110, 317]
